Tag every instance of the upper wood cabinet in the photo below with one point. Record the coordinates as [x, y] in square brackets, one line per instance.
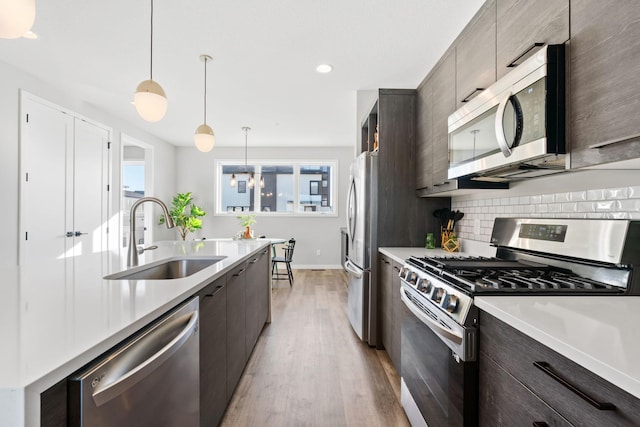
[444, 104]
[424, 132]
[523, 23]
[436, 100]
[476, 55]
[605, 89]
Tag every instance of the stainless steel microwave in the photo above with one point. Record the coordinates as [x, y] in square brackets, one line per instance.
[514, 129]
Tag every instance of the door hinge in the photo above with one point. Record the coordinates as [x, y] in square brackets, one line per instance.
[27, 117]
[109, 145]
[108, 187]
[26, 176]
[26, 235]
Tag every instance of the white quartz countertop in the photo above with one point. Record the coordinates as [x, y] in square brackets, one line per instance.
[599, 333]
[60, 314]
[400, 254]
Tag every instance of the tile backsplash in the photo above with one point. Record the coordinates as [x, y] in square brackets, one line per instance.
[618, 203]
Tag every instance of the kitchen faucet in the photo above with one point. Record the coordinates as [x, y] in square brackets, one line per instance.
[132, 256]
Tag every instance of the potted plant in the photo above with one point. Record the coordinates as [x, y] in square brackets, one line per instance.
[247, 221]
[185, 214]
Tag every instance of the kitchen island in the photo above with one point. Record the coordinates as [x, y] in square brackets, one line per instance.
[61, 314]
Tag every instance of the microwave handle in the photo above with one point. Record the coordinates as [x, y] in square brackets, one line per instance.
[502, 138]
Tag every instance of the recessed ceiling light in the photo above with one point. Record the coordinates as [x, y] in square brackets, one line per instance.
[324, 68]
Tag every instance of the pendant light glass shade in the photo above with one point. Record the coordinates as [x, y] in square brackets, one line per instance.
[204, 138]
[262, 182]
[16, 17]
[233, 179]
[150, 101]
[252, 181]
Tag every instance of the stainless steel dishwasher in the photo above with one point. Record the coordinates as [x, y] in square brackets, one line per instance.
[150, 380]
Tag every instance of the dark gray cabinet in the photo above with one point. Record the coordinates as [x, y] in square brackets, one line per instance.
[476, 54]
[523, 23]
[444, 103]
[237, 355]
[605, 89]
[257, 297]
[390, 308]
[535, 383]
[213, 352]
[424, 135]
[506, 402]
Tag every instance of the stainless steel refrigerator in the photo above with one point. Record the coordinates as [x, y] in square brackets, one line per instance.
[361, 226]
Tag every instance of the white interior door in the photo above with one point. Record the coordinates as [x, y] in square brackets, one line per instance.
[90, 195]
[63, 194]
[46, 140]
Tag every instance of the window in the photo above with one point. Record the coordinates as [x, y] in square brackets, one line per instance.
[277, 188]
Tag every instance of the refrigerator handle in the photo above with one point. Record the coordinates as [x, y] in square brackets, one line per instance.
[351, 268]
[351, 210]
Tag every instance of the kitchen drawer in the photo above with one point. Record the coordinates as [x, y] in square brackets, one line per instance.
[516, 353]
[503, 401]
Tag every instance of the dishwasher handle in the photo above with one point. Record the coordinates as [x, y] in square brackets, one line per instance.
[102, 395]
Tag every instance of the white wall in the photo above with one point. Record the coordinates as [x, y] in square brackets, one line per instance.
[579, 194]
[197, 173]
[11, 81]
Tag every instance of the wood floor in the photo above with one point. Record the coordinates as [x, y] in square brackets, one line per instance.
[310, 369]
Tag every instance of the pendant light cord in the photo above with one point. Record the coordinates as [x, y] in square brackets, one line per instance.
[205, 90]
[246, 132]
[151, 62]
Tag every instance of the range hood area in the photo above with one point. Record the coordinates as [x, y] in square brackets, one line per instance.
[515, 129]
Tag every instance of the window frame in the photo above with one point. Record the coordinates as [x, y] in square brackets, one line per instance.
[296, 164]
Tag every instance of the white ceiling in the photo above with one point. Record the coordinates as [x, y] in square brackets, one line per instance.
[264, 58]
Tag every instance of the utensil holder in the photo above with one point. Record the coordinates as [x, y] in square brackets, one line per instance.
[450, 242]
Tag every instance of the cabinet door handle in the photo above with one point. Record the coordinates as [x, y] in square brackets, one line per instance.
[540, 424]
[253, 261]
[614, 141]
[527, 50]
[466, 98]
[547, 369]
[215, 291]
[396, 268]
[239, 272]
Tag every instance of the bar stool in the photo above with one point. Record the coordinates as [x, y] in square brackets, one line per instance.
[286, 259]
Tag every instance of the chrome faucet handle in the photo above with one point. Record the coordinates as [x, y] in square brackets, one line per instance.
[149, 248]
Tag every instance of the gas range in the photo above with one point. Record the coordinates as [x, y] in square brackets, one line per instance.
[533, 257]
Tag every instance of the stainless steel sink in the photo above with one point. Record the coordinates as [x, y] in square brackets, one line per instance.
[173, 268]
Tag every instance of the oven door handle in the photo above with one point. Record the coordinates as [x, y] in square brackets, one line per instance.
[432, 324]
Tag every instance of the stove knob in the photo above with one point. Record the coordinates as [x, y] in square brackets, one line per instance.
[403, 272]
[412, 278]
[425, 286]
[450, 303]
[437, 295]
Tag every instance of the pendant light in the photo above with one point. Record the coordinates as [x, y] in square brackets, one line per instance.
[150, 99]
[16, 17]
[204, 137]
[251, 182]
